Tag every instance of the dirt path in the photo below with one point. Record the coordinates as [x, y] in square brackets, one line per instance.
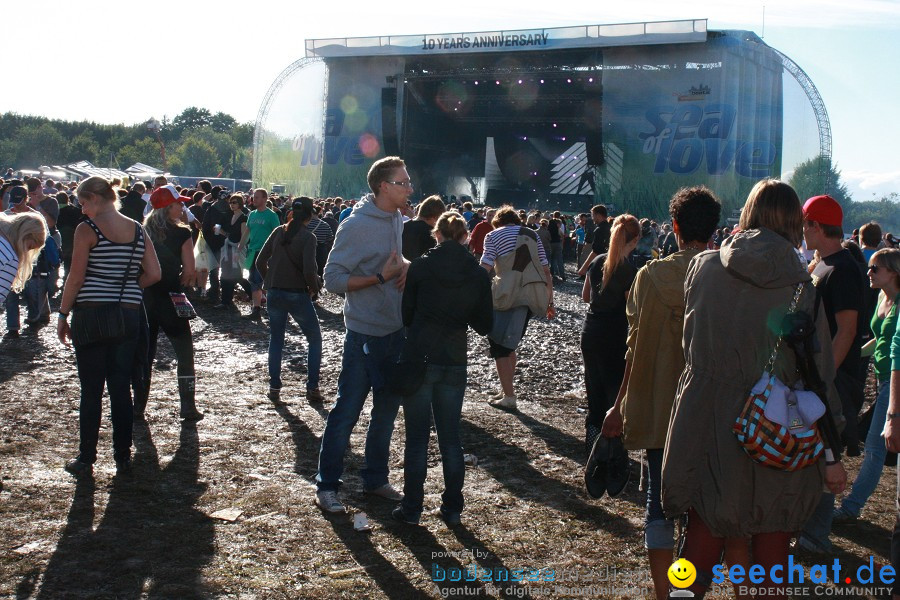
[156, 535]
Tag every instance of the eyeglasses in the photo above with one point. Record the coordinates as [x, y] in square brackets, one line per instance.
[874, 268]
[406, 184]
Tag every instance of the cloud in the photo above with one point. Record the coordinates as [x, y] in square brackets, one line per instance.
[866, 185]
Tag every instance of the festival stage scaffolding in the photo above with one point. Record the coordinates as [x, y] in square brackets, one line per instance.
[564, 117]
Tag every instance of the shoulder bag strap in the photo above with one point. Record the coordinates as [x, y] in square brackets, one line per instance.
[137, 234]
[771, 364]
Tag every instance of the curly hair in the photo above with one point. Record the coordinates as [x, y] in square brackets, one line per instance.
[697, 212]
[506, 215]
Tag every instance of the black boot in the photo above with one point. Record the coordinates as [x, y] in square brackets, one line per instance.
[189, 410]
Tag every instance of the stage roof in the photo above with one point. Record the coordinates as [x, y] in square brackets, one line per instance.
[582, 36]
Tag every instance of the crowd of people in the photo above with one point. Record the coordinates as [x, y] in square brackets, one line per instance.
[681, 320]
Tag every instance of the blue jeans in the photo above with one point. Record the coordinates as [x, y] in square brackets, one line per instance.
[363, 368]
[818, 527]
[659, 532]
[557, 266]
[255, 278]
[12, 311]
[36, 298]
[282, 303]
[441, 394]
[109, 364]
[873, 462]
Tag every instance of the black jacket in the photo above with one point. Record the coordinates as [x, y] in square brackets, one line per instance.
[133, 206]
[217, 213]
[446, 291]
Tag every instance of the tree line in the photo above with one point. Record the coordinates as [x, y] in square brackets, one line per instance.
[820, 176]
[197, 142]
[201, 143]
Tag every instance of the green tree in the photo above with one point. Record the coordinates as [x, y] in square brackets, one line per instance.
[242, 135]
[196, 158]
[818, 176]
[40, 145]
[190, 118]
[885, 211]
[222, 123]
[146, 151]
[9, 150]
[83, 147]
[222, 143]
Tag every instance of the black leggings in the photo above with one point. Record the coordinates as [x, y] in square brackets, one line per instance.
[161, 315]
[603, 350]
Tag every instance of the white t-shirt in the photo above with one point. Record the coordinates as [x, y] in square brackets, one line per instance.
[9, 266]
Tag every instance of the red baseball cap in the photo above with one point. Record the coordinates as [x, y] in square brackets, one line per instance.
[823, 210]
[166, 195]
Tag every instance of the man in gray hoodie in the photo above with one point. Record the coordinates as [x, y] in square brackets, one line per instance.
[367, 266]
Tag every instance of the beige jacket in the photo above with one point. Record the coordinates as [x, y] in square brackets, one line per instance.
[734, 302]
[655, 312]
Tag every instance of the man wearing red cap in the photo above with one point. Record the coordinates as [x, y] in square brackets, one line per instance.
[840, 283]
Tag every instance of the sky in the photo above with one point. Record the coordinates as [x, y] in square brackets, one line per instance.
[124, 62]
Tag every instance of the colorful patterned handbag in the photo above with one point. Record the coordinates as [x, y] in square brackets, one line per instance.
[769, 443]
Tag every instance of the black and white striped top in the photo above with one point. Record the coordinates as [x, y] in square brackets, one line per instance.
[321, 229]
[106, 266]
[503, 241]
[9, 267]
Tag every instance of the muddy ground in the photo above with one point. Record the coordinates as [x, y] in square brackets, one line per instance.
[160, 533]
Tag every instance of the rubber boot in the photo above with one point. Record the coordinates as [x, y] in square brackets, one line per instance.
[189, 410]
[141, 395]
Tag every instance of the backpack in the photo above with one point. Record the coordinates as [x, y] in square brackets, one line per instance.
[48, 259]
[519, 279]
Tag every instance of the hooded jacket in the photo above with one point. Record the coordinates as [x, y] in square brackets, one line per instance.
[362, 245]
[735, 300]
[446, 291]
[133, 206]
[217, 213]
[655, 311]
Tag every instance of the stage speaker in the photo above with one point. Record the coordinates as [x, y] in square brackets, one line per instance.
[389, 121]
[593, 143]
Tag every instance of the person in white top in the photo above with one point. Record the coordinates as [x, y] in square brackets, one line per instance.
[22, 236]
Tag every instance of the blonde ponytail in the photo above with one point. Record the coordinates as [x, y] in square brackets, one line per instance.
[625, 228]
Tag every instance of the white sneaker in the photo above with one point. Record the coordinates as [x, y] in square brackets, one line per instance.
[328, 501]
[506, 403]
[386, 491]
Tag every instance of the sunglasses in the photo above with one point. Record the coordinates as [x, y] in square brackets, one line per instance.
[874, 268]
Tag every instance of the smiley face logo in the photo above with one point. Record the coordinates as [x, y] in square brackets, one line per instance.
[682, 573]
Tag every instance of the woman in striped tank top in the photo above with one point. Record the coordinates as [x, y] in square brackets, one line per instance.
[105, 251]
